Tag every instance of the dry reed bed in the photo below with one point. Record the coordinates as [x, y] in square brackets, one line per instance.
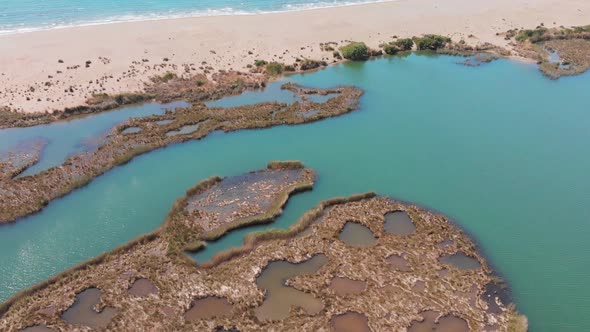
[173, 237]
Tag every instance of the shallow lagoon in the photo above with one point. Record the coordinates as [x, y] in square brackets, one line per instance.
[498, 148]
[77, 135]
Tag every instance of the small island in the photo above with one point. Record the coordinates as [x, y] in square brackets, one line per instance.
[364, 262]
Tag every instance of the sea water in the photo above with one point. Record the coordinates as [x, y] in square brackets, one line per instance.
[31, 15]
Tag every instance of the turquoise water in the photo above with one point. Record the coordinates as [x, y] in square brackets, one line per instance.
[498, 148]
[29, 15]
[66, 138]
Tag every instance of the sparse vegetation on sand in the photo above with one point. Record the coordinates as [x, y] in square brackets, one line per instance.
[431, 42]
[274, 69]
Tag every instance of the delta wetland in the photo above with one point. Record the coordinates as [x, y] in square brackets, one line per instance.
[278, 279]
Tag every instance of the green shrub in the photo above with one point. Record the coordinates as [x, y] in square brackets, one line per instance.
[355, 51]
[274, 69]
[130, 98]
[582, 29]
[308, 64]
[431, 42]
[260, 63]
[405, 44]
[164, 78]
[532, 35]
[399, 45]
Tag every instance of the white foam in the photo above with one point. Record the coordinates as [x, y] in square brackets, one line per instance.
[228, 11]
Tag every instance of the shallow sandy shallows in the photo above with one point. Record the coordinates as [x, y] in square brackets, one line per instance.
[123, 56]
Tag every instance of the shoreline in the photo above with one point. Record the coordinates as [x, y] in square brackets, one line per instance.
[121, 57]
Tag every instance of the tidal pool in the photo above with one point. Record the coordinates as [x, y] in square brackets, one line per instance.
[448, 323]
[184, 130]
[279, 298]
[461, 261]
[208, 308]
[83, 311]
[131, 130]
[350, 322]
[399, 222]
[357, 235]
[498, 148]
[38, 328]
[164, 122]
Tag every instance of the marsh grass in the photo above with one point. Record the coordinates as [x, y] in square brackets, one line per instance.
[285, 165]
[516, 322]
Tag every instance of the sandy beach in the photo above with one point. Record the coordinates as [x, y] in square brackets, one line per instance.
[54, 69]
